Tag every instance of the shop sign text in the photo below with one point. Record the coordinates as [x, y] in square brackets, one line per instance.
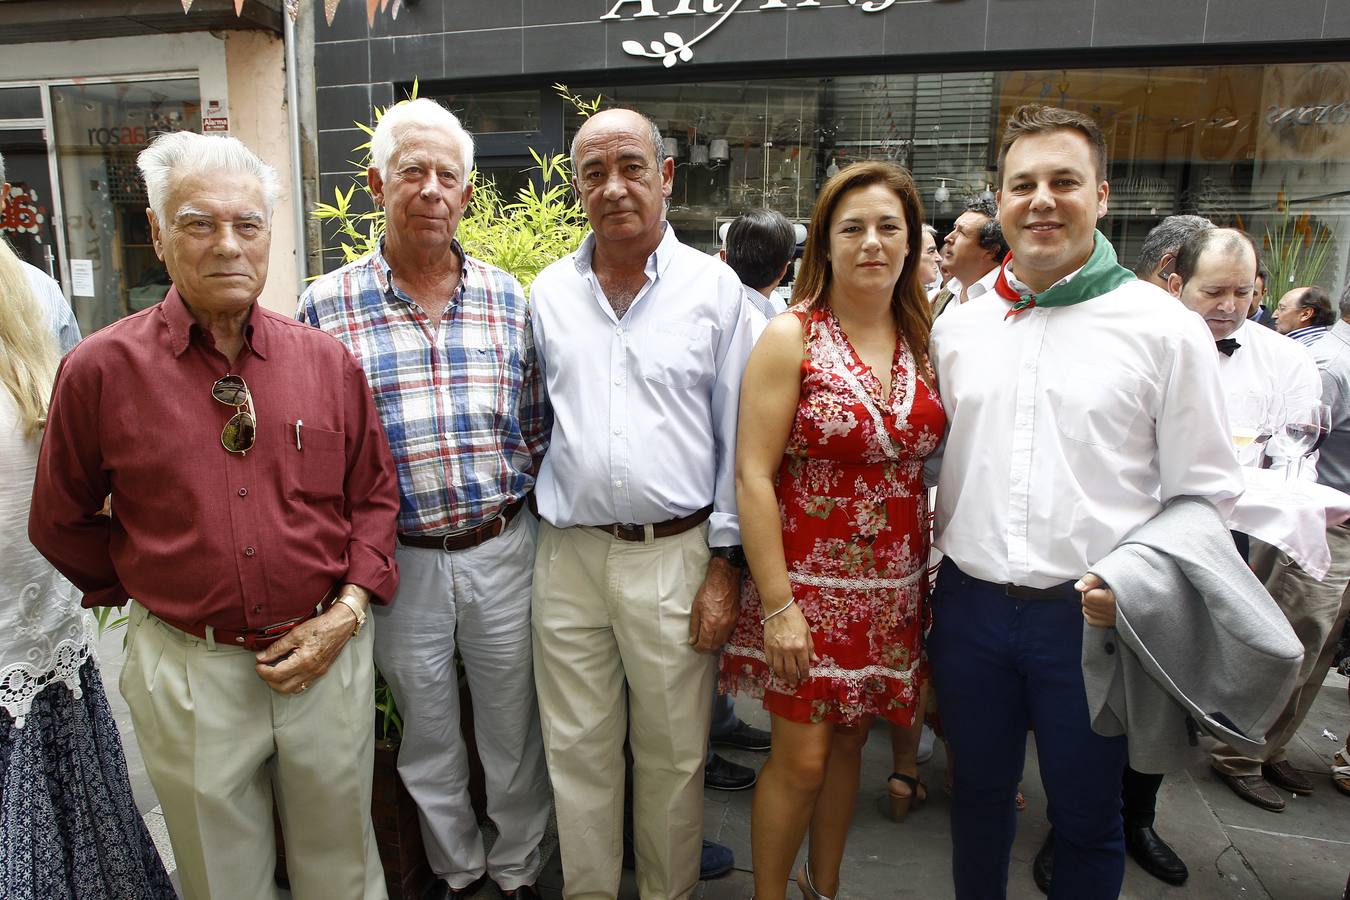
[1323, 114]
[675, 48]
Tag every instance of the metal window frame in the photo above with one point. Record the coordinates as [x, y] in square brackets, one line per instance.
[48, 126]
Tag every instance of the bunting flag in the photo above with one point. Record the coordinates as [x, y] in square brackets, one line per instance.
[393, 7]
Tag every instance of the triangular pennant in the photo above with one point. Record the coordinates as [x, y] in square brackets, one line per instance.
[371, 6]
[238, 7]
[187, 5]
[329, 10]
[293, 9]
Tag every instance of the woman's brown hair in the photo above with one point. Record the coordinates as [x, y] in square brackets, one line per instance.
[909, 300]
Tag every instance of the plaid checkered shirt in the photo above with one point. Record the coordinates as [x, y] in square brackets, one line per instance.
[464, 406]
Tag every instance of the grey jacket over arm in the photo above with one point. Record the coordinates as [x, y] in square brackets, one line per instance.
[1197, 642]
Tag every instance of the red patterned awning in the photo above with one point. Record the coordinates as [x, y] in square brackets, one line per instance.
[329, 8]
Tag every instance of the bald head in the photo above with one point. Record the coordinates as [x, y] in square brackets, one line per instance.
[628, 120]
[1215, 276]
[623, 179]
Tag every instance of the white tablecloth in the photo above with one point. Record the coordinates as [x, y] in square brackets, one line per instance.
[1293, 516]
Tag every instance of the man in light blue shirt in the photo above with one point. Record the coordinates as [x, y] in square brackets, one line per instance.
[642, 342]
[60, 317]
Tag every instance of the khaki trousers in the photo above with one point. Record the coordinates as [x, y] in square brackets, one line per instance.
[609, 614]
[219, 744]
[1316, 610]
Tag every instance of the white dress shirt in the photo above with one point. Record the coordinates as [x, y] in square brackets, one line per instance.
[1274, 366]
[1069, 427]
[981, 287]
[1271, 364]
[644, 407]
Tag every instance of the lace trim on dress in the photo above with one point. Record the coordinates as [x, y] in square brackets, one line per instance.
[855, 584]
[852, 676]
[51, 657]
[845, 371]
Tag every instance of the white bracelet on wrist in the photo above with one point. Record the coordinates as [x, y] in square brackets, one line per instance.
[782, 608]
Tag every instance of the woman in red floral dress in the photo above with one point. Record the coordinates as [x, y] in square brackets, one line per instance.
[838, 412]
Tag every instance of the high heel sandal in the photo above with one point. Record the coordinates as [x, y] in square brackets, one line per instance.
[898, 806]
[809, 891]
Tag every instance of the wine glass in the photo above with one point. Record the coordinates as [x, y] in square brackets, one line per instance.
[1296, 436]
[1248, 418]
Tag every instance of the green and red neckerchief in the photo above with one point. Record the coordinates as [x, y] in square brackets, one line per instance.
[1101, 274]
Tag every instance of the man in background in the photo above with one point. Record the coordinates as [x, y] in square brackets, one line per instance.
[972, 253]
[60, 316]
[1305, 315]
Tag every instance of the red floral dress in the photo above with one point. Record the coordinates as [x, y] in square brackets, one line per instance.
[854, 510]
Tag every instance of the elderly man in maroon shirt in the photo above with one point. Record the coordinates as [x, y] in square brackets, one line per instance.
[252, 519]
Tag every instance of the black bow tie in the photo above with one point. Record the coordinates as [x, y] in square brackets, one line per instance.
[1227, 346]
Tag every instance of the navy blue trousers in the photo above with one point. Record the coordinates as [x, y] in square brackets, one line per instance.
[1002, 666]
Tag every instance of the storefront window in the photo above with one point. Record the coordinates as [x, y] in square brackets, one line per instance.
[100, 127]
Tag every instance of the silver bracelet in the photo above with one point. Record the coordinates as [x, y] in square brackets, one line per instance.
[782, 608]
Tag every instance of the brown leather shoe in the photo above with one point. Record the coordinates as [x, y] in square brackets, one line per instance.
[1254, 789]
[1282, 774]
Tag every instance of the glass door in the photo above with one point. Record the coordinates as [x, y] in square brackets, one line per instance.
[28, 219]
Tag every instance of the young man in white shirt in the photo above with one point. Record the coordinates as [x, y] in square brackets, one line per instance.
[1077, 406]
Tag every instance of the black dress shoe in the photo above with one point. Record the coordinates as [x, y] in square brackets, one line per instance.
[743, 737]
[1154, 856]
[725, 775]
[1043, 866]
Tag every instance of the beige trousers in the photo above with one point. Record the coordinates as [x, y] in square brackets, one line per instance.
[610, 615]
[1316, 610]
[219, 744]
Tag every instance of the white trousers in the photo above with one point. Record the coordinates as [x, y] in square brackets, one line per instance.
[219, 744]
[479, 601]
[610, 615]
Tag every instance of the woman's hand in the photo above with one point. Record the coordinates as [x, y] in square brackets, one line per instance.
[787, 646]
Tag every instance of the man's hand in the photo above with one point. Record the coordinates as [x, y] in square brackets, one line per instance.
[302, 655]
[715, 605]
[1099, 601]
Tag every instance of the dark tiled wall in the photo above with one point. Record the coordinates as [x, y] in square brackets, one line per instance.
[357, 65]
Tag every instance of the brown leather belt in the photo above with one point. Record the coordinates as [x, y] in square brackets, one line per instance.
[625, 531]
[467, 537]
[249, 638]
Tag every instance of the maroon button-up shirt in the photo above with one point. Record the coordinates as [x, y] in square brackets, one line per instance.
[198, 534]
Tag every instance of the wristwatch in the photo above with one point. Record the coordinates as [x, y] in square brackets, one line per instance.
[734, 555]
[356, 611]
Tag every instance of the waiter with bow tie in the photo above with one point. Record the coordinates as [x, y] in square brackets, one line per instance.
[1214, 277]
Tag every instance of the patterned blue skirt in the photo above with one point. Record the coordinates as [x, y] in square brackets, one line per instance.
[68, 824]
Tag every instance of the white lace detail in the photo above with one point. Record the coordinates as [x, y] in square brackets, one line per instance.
[45, 637]
[850, 675]
[845, 371]
[50, 656]
[854, 584]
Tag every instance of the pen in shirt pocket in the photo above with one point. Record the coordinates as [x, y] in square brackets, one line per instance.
[298, 423]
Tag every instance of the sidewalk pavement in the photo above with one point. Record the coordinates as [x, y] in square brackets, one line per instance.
[1234, 849]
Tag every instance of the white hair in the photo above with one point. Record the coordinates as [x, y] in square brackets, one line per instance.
[411, 115]
[181, 153]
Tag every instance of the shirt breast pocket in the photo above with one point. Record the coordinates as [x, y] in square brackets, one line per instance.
[318, 469]
[677, 354]
[1095, 407]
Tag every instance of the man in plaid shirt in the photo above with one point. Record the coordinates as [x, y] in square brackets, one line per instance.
[446, 344]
